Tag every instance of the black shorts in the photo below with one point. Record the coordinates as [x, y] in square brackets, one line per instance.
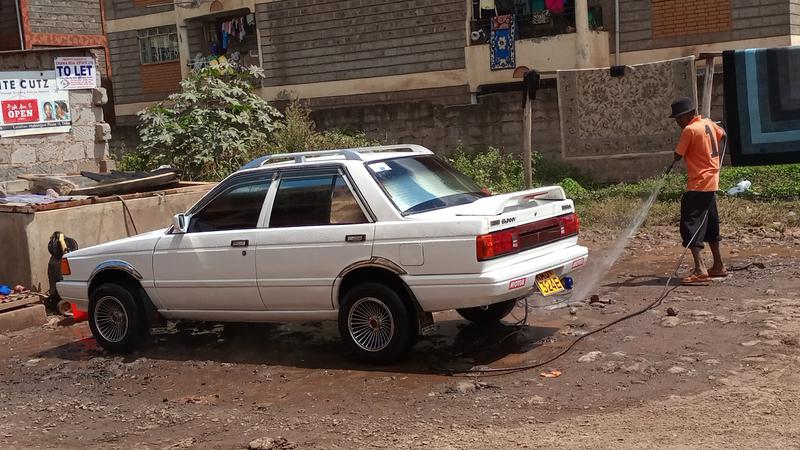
[693, 217]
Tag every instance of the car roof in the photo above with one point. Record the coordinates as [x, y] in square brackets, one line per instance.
[362, 154]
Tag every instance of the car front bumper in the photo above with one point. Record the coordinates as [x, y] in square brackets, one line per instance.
[444, 292]
[75, 292]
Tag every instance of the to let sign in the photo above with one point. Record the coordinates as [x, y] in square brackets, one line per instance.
[76, 72]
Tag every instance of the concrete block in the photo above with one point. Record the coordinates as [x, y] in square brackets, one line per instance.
[83, 133]
[102, 132]
[23, 155]
[99, 96]
[75, 151]
[21, 318]
[49, 153]
[5, 154]
[99, 151]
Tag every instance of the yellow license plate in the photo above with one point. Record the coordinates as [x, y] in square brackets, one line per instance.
[549, 283]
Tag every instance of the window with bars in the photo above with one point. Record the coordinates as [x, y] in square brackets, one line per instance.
[158, 45]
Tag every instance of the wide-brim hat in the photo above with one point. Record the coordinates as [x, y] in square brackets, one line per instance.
[682, 106]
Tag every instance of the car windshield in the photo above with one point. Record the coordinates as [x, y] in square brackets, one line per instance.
[424, 183]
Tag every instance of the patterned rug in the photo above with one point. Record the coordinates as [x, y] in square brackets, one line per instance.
[501, 45]
[762, 105]
[603, 115]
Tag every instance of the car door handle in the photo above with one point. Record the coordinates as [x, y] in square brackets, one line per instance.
[240, 243]
[355, 238]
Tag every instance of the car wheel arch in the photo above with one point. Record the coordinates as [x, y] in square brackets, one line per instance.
[381, 271]
[127, 279]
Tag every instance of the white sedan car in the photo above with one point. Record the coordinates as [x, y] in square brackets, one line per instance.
[375, 238]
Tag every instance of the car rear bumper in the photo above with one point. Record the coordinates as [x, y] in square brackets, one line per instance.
[75, 292]
[443, 292]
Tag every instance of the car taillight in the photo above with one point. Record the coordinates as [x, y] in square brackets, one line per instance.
[496, 244]
[65, 270]
[570, 224]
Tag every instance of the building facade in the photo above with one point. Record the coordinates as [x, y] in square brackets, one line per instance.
[415, 70]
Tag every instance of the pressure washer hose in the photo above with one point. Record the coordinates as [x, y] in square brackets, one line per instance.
[496, 371]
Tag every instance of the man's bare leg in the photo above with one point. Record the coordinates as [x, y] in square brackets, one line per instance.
[718, 266]
[699, 264]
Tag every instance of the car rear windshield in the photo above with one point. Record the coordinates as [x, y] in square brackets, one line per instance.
[424, 183]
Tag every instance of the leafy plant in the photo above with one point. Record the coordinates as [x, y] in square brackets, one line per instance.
[211, 127]
[300, 134]
[493, 170]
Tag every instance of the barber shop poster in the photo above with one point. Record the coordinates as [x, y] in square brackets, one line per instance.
[32, 103]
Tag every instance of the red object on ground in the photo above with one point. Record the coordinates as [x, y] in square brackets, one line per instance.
[79, 315]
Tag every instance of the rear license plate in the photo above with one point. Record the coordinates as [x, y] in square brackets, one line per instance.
[549, 283]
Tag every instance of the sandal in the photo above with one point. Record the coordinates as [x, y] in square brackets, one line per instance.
[717, 273]
[696, 279]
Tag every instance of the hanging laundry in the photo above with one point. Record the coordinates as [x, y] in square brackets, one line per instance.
[251, 19]
[537, 5]
[556, 6]
[224, 40]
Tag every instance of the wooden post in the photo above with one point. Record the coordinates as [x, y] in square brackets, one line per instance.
[708, 86]
[526, 142]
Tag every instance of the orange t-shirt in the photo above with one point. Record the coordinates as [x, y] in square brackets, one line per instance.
[699, 146]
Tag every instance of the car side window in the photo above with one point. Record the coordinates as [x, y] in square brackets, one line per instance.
[235, 208]
[323, 199]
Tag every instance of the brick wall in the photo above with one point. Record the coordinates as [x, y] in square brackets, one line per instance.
[83, 148]
[682, 17]
[120, 9]
[65, 16]
[641, 29]
[794, 8]
[9, 27]
[305, 41]
[160, 77]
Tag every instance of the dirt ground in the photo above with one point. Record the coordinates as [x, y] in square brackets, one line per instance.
[724, 372]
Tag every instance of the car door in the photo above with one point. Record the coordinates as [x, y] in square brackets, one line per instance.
[212, 265]
[318, 226]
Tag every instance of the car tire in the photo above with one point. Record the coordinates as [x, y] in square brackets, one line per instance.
[485, 315]
[115, 318]
[376, 324]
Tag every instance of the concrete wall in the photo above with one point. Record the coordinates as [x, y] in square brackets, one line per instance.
[495, 121]
[65, 16]
[305, 41]
[85, 147]
[121, 9]
[128, 73]
[88, 225]
[749, 19]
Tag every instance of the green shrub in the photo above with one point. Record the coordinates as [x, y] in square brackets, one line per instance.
[493, 170]
[574, 189]
[211, 127]
[134, 162]
[299, 133]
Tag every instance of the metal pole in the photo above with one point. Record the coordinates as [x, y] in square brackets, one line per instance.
[19, 25]
[616, 32]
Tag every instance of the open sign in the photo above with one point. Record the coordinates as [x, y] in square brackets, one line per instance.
[20, 111]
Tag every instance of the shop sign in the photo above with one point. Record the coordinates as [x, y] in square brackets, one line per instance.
[32, 103]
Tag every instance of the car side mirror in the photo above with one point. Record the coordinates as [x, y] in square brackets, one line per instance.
[180, 223]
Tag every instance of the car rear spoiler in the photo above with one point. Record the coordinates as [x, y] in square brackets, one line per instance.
[497, 204]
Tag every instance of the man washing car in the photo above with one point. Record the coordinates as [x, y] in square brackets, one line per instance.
[699, 146]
